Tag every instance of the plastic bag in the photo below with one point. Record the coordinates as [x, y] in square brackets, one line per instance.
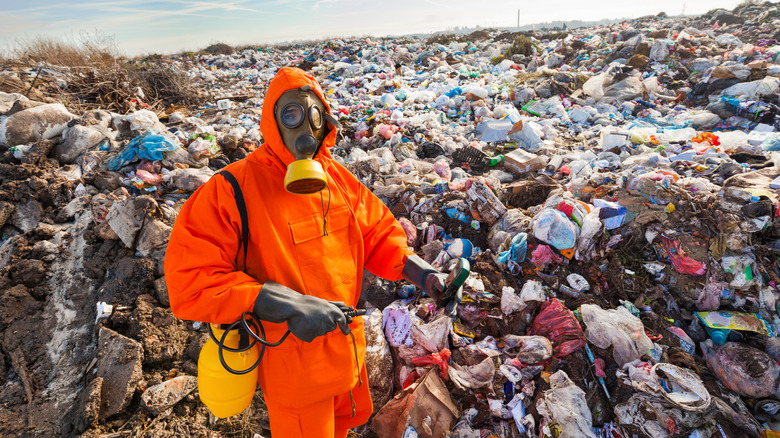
[397, 324]
[529, 137]
[379, 359]
[190, 179]
[543, 255]
[517, 250]
[594, 87]
[442, 168]
[564, 404]
[142, 120]
[386, 131]
[771, 143]
[101, 203]
[681, 262]
[410, 230]
[201, 147]
[149, 145]
[743, 369]
[528, 349]
[727, 39]
[474, 376]
[439, 359]
[578, 282]
[763, 87]
[627, 89]
[617, 328]
[432, 336]
[553, 227]
[592, 228]
[558, 324]
[677, 385]
[511, 303]
[148, 177]
[741, 267]
[659, 51]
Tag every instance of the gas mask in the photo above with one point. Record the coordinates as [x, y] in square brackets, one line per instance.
[301, 117]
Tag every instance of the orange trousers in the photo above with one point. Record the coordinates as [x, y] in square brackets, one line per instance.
[330, 418]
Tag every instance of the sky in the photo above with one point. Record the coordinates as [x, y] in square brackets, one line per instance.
[144, 27]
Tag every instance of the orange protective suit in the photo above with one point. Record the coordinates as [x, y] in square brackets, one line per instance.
[288, 246]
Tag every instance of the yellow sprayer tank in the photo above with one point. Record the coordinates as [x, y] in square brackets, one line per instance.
[224, 393]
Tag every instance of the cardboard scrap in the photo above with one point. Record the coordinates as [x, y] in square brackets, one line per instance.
[425, 405]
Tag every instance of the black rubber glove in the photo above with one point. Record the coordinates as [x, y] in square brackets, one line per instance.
[306, 316]
[421, 274]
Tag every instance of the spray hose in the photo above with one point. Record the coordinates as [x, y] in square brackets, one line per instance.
[246, 324]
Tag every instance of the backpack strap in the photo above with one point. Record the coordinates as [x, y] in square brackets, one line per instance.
[241, 204]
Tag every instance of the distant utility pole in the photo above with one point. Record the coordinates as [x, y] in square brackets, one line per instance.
[518, 18]
[683, 12]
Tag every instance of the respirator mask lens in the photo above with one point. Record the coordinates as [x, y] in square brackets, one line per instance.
[292, 115]
[315, 118]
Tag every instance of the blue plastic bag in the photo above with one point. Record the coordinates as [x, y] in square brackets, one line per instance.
[611, 213]
[517, 250]
[771, 143]
[149, 145]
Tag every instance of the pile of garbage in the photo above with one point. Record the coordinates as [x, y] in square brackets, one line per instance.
[614, 188]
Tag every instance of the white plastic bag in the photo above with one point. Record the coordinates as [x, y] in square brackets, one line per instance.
[617, 328]
[565, 405]
[554, 228]
[592, 227]
[594, 87]
[659, 51]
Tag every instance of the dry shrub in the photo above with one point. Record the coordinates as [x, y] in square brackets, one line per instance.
[164, 87]
[554, 36]
[89, 50]
[522, 45]
[444, 38]
[107, 89]
[116, 89]
[219, 49]
[477, 35]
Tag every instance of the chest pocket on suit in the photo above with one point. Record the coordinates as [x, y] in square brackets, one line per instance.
[325, 261]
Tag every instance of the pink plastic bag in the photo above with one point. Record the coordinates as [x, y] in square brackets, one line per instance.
[743, 369]
[442, 168]
[543, 255]
[152, 179]
[410, 230]
[681, 262]
[556, 323]
[387, 131]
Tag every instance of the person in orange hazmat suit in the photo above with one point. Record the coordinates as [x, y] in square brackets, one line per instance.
[313, 229]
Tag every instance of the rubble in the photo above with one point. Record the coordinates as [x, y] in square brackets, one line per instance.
[615, 189]
[164, 395]
[119, 365]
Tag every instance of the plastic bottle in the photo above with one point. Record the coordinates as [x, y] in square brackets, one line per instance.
[569, 292]
[224, 393]
[719, 336]
[498, 159]
[553, 165]
[454, 213]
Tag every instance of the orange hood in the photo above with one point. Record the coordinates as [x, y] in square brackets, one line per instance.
[290, 78]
